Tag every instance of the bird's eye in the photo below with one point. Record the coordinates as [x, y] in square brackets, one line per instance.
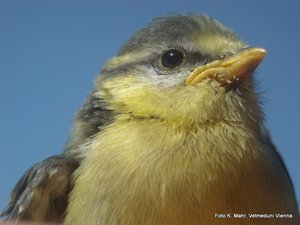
[172, 58]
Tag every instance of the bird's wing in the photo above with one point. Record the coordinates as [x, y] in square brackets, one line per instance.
[268, 141]
[41, 194]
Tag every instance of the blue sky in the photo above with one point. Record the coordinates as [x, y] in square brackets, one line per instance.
[51, 51]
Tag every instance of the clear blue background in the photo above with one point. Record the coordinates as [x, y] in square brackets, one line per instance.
[51, 51]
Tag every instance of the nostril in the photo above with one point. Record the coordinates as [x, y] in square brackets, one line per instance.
[224, 55]
[221, 56]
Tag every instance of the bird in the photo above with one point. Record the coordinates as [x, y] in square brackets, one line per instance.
[172, 133]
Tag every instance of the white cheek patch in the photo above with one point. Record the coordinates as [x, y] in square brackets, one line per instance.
[212, 44]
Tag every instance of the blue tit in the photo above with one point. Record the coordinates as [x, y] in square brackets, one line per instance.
[171, 134]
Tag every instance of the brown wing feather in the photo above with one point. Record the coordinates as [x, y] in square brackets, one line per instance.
[41, 194]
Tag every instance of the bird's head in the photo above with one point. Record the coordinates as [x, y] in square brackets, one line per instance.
[185, 69]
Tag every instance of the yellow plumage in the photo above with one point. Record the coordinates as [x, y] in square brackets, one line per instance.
[181, 167]
[150, 172]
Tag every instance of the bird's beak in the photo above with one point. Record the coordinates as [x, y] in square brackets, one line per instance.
[239, 66]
